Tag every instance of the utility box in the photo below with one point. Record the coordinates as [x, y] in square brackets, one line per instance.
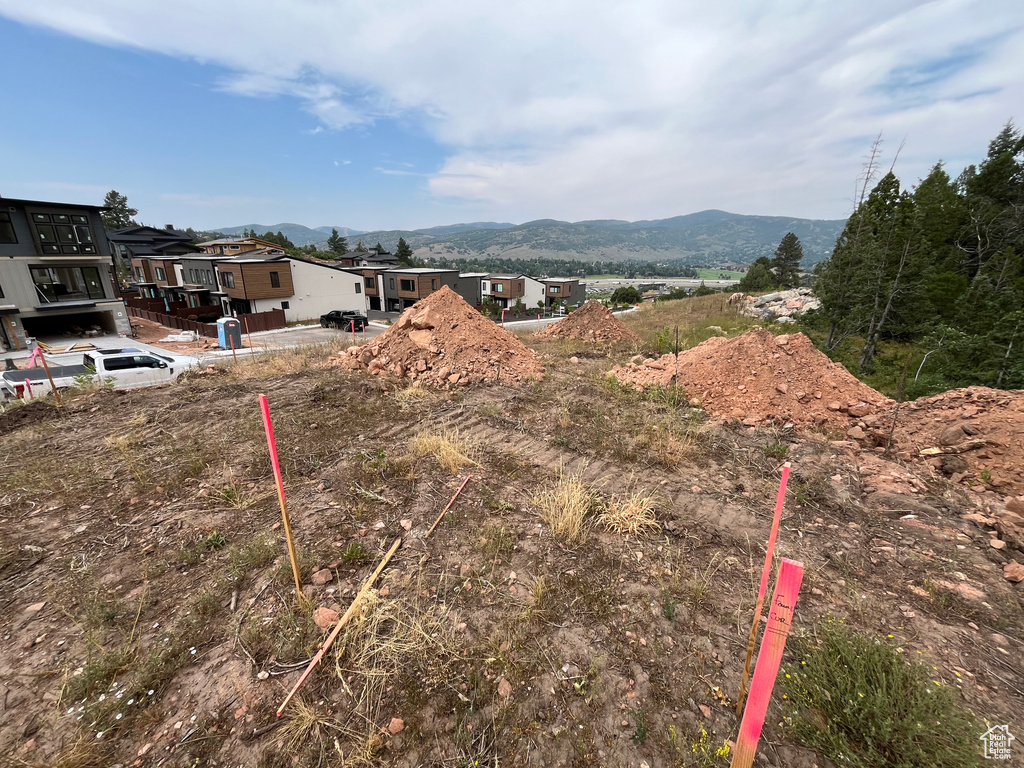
[229, 333]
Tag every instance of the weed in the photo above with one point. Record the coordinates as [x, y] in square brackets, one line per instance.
[986, 476]
[669, 603]
[354, 553]
[703, 753]
[631, 514]
[566, 507]
[449, 448]
[215, 540]
[640, 732]
[775, 450]
[858, 700]
[257, 553]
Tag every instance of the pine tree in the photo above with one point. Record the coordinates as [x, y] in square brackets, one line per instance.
[786, 263]
[118, 215]
[759, 277]
[404, 253]
[337, 244]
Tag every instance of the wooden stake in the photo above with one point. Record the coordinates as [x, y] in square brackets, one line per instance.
[341, 623]
[231, 340]
[447, 506]
[46, 368]
[272, 445]
[765, 572]
[780, 619]
[252, 350]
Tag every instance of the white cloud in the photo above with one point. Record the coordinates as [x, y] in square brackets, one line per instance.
[581, 109]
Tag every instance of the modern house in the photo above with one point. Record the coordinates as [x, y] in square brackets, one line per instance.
[404, 287]
[235, 246]
[371, 259]
[144, 249]
[304, 289]
[55, 272]
[473, 284]
[566, 290]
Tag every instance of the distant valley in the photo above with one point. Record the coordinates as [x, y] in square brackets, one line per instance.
[709, 237]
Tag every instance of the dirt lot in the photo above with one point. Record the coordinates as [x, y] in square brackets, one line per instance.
[149, 616]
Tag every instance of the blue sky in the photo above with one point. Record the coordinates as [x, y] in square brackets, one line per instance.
[402, 114]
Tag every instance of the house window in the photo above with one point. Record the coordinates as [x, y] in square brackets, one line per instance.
[160, 274]
[63, 233]
[275, 280]
[369, 282]
[286, 305]
[407, 285]
[236, 247]
[433, 284]
[553, 289]
[499, 288]
[1, 291]
[67, 283]
[391, 283]
[228, 279]
[140, 274]
[209, 277]
[359, 288]
[7, 228]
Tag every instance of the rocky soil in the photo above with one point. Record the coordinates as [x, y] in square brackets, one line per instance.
[591, 322]
[443, 342]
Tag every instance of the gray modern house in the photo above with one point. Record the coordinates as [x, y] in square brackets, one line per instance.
[56, 273]
[404, 287]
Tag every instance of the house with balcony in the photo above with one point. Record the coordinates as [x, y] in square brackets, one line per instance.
[568, 291]
[404, 287]
[506, 290]
[56, 273]
[149, 254]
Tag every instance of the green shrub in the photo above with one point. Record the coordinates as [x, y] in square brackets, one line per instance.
[860, 701]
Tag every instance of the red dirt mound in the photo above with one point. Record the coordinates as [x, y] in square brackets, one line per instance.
[591, 322]
[760, 378]
[444, 342]
[973, 435]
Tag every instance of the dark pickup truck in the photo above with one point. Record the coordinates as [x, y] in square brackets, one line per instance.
[343, 319]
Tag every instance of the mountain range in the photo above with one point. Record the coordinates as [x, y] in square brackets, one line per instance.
[709, 237]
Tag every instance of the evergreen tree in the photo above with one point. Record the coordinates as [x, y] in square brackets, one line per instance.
[118, 214]
[786, 264]
[379, 248]
[337, 244]
[360, 247]
[759, 277]
[404, 253]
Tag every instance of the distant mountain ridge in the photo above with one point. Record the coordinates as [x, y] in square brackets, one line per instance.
[709, 237]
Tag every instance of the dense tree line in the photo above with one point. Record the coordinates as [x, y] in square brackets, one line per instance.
[568, 267]
[938, 265]
[780, 271]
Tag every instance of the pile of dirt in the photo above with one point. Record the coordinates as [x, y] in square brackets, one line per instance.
[442, 341]
[973, 435]
[23, 415]
[760, 378]
[591, 322]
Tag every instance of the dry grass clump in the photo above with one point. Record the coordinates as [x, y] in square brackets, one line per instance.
[632, 513]
[696, 317]
[451, 449]
[279, 362]
[566, 507]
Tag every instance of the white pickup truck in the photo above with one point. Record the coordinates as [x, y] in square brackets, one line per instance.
[117, 368]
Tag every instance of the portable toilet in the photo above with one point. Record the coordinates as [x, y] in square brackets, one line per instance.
[229, 333]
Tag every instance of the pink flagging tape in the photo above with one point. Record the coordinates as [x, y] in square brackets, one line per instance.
[763, 588]
[780, 618]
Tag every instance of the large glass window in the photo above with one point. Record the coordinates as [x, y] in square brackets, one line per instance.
[160, 274]
[228, 279]
[7, 228]
[63, 233]
[275, 280]
[67, 283]
[407, 285]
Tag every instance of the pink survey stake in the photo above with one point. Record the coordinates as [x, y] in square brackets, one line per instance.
[780, 618]
[776, 518]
